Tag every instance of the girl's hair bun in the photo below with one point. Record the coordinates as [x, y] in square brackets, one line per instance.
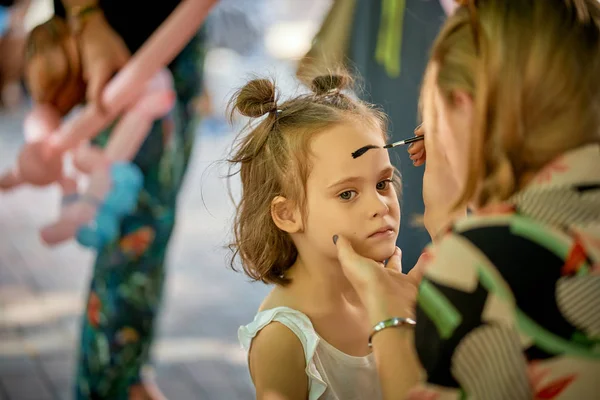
[325, 84]
[256, 98]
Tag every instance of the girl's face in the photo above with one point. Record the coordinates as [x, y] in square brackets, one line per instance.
[351, 196]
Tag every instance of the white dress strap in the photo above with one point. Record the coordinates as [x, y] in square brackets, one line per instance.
[298, 323]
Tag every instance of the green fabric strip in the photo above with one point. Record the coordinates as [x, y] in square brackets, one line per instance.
[537, 233]
[552, 343]
[533, 231]
[439, 309]
[389, 38]
[491, 283]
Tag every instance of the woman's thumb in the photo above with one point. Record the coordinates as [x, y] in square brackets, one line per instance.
[395, 261]
[351, 262]
[346, 253]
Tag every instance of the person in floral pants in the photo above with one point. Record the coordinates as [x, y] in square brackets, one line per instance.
[126, 287]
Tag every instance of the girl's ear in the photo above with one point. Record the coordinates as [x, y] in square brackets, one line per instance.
[286, 215]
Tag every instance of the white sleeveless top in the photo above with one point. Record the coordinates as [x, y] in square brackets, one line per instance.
[332, 374]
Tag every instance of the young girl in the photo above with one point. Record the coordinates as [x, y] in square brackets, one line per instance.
[313, 167]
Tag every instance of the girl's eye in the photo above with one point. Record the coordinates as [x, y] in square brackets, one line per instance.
[383, 185]
[347, 195]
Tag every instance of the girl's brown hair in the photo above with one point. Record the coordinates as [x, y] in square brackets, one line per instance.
[273, 156]
[532, 68]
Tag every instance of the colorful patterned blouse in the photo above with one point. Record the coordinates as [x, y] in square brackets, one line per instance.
[510, 304]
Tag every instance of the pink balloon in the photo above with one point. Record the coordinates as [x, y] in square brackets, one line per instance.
[78, 212]
[40, 162]
[31, 168]
[140, 93]
[125, 140]
[160, 49]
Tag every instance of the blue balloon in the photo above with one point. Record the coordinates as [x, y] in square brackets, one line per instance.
[127, 182]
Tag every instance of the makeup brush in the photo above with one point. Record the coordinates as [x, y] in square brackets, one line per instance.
[404, 142]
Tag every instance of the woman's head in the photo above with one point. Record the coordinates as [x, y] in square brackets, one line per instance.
[295, 167]
[512, 84]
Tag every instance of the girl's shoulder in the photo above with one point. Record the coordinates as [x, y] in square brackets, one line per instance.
[276, 356]
[288, 335]
[295, 321]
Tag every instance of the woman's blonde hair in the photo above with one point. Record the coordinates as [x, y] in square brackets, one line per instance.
[273, 156]
[532, 68]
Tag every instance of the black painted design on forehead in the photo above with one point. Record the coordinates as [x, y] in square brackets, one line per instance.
[363, 150]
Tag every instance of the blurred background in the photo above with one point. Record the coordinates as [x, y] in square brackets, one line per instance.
[42, 289]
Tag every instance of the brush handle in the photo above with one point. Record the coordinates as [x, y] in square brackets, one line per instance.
[404, 142]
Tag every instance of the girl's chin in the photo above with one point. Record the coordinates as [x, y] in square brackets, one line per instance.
[380, 253]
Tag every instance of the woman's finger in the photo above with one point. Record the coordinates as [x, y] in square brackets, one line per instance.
[419, 130]
[417, 152]
[395, 261]
[346, 254]
[416, 147]
[417, 156]
[419, 162]
[358, 269]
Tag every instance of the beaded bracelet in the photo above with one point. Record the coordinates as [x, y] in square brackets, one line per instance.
[390, 323]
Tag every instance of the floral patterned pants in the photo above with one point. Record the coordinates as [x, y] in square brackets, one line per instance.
[126, 287]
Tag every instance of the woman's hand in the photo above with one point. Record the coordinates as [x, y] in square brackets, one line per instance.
[386, 293]
[52, 66]
[416, 150]
[103, 54]
[384, 290]
[60, 67]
